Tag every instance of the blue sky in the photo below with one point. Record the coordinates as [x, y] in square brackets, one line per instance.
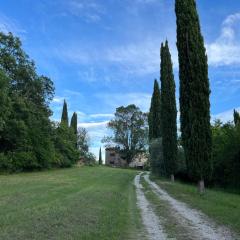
[105, 53]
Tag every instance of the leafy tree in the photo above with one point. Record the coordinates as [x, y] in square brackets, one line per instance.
[129, 131]
[64, 118]
[26, 140]
[194, 92]
[154, 117]
[169, 112]
[65, 145]
[83, 141]
[100, 157]
[226, 154]
[89, 159]
[4, 101]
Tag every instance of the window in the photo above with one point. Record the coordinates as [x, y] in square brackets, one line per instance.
[112, 154]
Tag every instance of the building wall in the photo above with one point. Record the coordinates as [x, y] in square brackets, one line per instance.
[112, 158]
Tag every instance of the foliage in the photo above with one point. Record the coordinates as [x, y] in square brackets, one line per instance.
[129, 131]
[157, 164]
[236, 117]
[28, 140]
[194, 91]
[89, 159]
[64, 118]
[83, 140]
[226, 154]
[73, 123]
[154, 116]
[25, 128]
[168, 112]
[65, 145]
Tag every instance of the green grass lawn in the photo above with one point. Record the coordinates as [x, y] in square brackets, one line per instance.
[221, 206]
[77, 203]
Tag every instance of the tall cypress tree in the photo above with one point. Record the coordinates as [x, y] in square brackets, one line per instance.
[74, 123]
[169, 112]
[154, 118]
[194, 91]
[100, 157]
[236, 117]
[64, 119]
[73, 126]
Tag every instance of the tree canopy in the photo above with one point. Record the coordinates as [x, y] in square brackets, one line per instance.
[28, 139]
[130, 131]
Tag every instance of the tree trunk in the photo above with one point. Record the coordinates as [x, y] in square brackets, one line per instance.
[201, 187]
[172, 178]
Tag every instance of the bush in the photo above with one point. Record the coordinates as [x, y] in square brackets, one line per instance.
[226, 155]
[157, 164]
[65, 145]
[89, 159]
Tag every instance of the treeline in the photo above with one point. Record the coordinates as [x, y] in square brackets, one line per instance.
[202, 153]
[28, 139]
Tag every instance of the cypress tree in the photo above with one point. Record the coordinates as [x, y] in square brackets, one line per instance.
[194, 91]
[236, 116]
[100, 157]
[74, 123]
[154, 117]
[169, 112]
[64, 119]
[73, 126]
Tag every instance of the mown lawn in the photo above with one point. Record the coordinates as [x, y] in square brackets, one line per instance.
[221, 206]
[78, 203]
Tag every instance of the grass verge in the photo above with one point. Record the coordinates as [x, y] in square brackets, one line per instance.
[221, 206]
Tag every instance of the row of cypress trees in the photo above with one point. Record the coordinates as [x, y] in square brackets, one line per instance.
[65, 120]
[194, 98]
[162, 119]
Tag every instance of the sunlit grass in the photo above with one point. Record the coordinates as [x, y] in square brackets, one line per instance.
[78, 203]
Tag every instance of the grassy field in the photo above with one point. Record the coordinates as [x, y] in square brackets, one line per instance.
[78, 203]
[221, 206]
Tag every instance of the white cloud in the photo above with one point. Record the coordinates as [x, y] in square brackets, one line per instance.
[225, 116]
[114, 100]
[89, 125]
[9, 25]
[96, 131]
[57, 99]
[147, 1]
[101, 115]
[225, 50]
[89, 10]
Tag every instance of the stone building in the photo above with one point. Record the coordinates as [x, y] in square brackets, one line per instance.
[113, 158]
[139, 161]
